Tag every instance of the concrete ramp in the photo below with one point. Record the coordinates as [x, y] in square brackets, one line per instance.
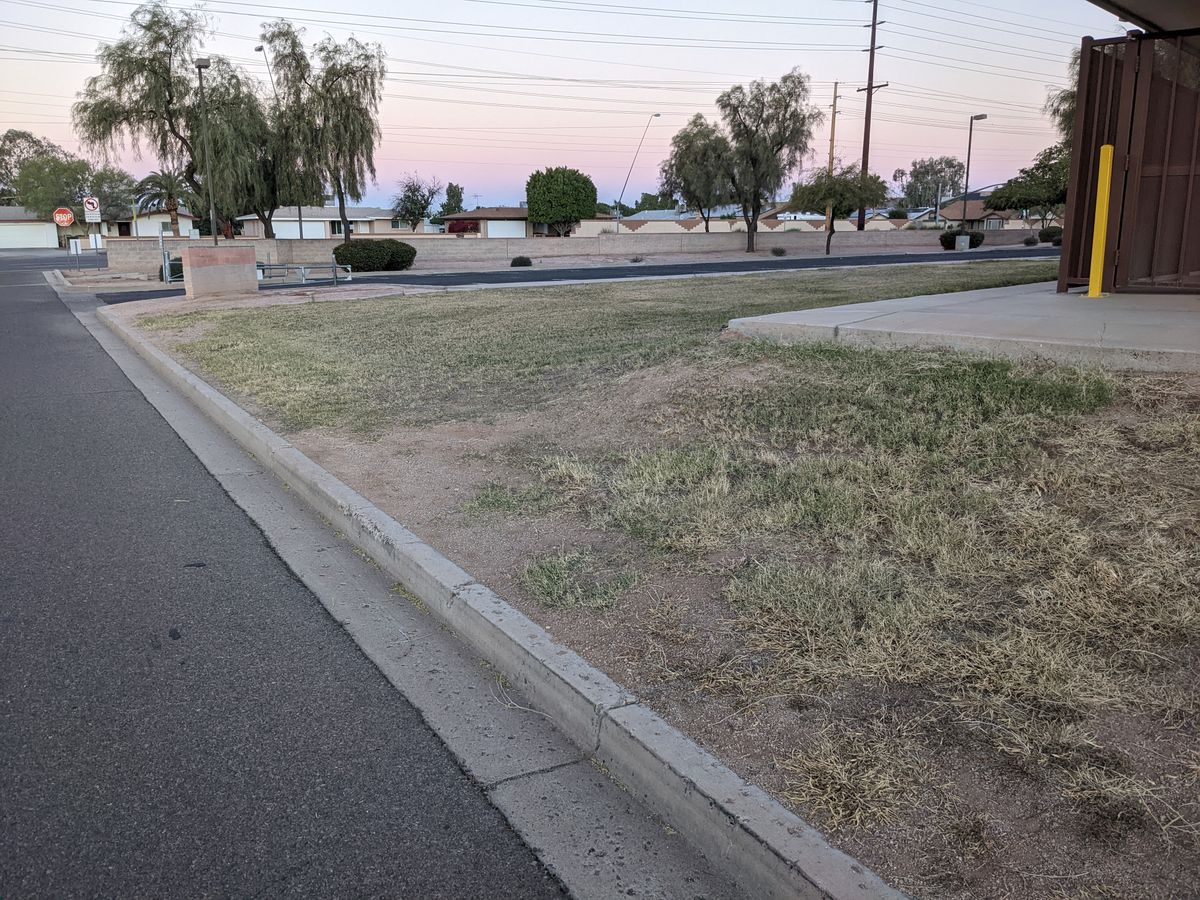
[1143, 332]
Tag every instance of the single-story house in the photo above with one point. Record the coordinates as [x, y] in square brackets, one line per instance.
[492, 222]
[980, 218]
[152, 224]
[21, 229]
[326, 222]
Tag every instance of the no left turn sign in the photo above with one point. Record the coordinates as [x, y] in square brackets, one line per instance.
[91, 209]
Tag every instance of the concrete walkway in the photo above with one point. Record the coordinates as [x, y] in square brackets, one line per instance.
[1148, 332]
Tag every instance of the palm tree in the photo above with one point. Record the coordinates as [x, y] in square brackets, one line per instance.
[162, 192]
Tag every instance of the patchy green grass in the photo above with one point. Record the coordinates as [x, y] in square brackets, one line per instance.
[371, 364]
[571, 581]
[494, 497]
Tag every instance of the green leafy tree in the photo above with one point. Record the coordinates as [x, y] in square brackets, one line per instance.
[48, 182]
[769, 127]
[560, 197]
[1040, 189]
[16, 148]
[922, 182]
[844, 191]
[662, 200]
[164, 191]
[147, 95]
[453, 203]
[697, 169]
[115, 189]
[415, 198]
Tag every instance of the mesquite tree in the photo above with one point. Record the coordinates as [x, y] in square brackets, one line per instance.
[844, 191]
[414, 198]
[769, 126]
[697, 169]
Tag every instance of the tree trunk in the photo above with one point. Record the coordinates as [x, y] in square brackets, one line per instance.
[706, 218]
[829, 237]
[751, 230]
[173, 212]
[341, 198]
[267, 224]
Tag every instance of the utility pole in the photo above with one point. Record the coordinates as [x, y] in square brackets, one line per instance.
[832, 135]
[871, 88]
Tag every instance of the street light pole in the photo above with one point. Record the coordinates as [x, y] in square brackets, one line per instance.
[645, 130]
[263, 50]
[202, 63]
[967, 175]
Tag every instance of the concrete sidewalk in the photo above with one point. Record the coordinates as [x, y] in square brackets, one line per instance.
[1150, 332]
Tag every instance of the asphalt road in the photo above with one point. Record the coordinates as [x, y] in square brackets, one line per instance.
[178, 714]
[640, 270]
[37, 260]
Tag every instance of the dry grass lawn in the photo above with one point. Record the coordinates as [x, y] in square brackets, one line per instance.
[945, 607]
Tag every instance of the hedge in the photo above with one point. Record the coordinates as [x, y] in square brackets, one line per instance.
[371, 255]
[1049, 233]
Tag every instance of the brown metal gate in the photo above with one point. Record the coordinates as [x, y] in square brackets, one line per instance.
[1142, 95]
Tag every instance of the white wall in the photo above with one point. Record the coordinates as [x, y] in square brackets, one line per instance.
[290, 231]
[28, 235]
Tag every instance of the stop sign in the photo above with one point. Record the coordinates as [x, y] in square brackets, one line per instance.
[64, 217]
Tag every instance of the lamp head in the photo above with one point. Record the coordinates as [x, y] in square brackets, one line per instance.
[258, 48]
[979, 118]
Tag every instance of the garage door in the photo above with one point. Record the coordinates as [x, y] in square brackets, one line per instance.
[28, 235]
[503, 229]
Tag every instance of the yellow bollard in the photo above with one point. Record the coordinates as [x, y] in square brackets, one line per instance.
[1100, 228]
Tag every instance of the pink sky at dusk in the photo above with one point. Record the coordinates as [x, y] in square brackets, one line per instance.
[482, 92]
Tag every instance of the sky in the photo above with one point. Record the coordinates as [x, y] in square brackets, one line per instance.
[483, 92]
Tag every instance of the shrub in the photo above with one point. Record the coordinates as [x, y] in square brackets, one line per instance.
[368, 255]
[778, 251]
[362, 255]
[636, 259]
[947, 238]
[1030, 241]
[897, 214]
[1049, 233]
[521, 261]
[402, 255]
[1057, 242]
[176, 265]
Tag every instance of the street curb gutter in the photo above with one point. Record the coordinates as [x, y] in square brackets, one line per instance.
[769, 852]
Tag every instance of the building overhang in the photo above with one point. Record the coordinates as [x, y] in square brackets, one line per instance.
[1155, 15]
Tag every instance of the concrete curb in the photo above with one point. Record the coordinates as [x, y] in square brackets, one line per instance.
[769, 852]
